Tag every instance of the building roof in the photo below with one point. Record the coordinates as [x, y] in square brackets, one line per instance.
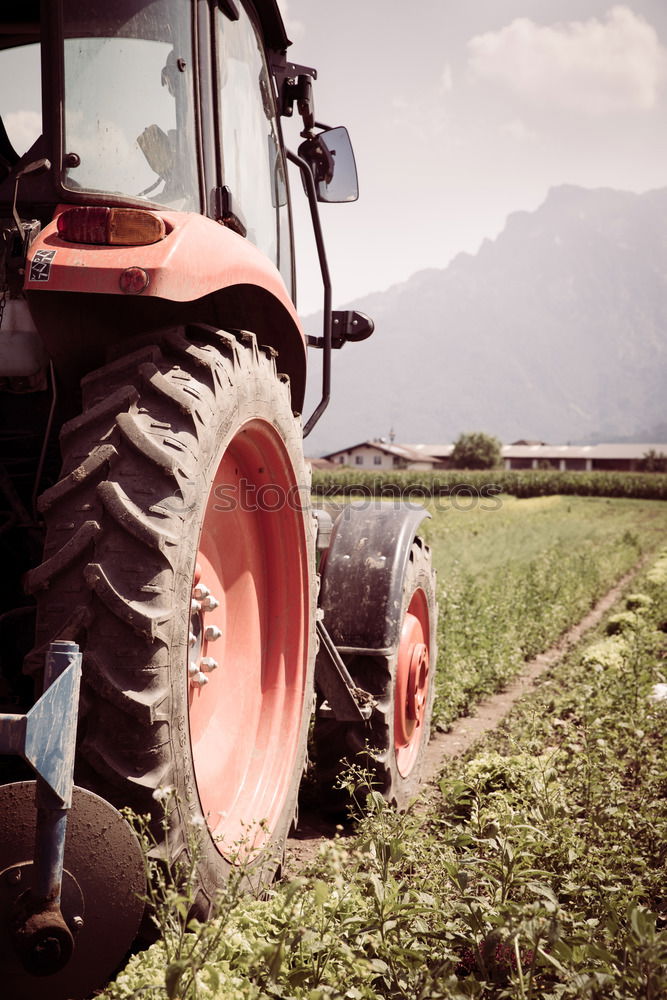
[431, 450]
[404, 451]
[594, 451]
[438, 452]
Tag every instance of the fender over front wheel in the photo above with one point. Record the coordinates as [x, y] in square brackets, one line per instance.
[389, 645]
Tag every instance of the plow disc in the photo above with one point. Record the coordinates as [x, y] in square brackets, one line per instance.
[102, 904]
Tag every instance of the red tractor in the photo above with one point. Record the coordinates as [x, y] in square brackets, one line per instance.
[174, 610]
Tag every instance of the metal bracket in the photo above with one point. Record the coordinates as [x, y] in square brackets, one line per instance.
[344, 700]
[324, 528]
[227, 211]
[45, 737]
[292, 81]
[347, 325]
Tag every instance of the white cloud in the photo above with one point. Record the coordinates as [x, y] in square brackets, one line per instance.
[23, 127]
[110, 159]
[420, 120]
[295, 29]
[595, 66]
[517, 129]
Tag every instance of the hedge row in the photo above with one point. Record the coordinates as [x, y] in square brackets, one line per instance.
[530, 483]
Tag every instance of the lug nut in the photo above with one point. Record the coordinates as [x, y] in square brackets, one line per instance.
[195, 606]
[78, 923]
[192, 638]
[210, 603]
[208, 664]
[192, 668]
[200, 591]
[199, 679]
[211, 633]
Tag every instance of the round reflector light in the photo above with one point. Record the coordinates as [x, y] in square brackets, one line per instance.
[133, 280]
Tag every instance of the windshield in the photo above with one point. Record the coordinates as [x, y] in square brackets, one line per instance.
[129, 118]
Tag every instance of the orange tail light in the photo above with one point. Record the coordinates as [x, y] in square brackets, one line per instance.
[111, 226]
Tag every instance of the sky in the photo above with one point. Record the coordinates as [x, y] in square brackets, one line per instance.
[463, 111]
[460, 112]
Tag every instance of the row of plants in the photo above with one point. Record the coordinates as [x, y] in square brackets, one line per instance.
[416, 484]
[536, 872]
[491, 623]
[511, 580]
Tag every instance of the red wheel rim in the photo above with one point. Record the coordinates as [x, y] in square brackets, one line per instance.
[412, 683]
[246, 708]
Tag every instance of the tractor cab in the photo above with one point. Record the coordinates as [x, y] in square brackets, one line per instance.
[149, 112]
[160, 103]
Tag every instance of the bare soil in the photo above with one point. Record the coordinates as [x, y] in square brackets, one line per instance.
[313, 830]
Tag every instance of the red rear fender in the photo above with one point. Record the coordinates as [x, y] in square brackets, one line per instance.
[199, 271]
[197, 257]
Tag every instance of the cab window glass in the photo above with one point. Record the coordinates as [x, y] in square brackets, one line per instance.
[129, 117]
[252, 164]
[20, 76]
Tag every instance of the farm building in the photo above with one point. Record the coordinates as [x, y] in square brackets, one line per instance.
[380, 454]
[610, 457]
[519, 455]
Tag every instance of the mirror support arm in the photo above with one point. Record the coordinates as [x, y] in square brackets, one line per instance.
[326, 281]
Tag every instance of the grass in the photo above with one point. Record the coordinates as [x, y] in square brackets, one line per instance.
[507, 530]
[536, 872]
[514, 575]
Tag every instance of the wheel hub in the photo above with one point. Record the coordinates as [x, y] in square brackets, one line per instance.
[200, 663]
[417, 682]
[412, 683]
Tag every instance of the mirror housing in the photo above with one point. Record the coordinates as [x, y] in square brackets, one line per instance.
[347, 325]
[350, 325]
[330, 157]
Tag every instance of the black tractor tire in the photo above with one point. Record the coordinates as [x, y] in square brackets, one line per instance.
[345, 749]
[123, 529]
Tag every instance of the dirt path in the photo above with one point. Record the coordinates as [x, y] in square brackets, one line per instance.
[467, 730]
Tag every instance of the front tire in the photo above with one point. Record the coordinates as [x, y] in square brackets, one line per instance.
[179, 554]
[390, 747]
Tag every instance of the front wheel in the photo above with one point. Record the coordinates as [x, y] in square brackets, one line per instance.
[180, 556]
[390, 747]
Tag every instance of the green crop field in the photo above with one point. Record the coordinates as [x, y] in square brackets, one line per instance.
[536, 870]
[529, 483]
[513, 574]
[502, 531]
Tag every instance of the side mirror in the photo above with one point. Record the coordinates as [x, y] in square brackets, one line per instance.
[331, 160]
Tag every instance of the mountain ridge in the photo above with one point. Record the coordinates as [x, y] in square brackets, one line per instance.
[554, 330]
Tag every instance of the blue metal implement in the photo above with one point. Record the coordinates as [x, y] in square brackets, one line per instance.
[50, 746]
[50, 740]
[46, 739]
